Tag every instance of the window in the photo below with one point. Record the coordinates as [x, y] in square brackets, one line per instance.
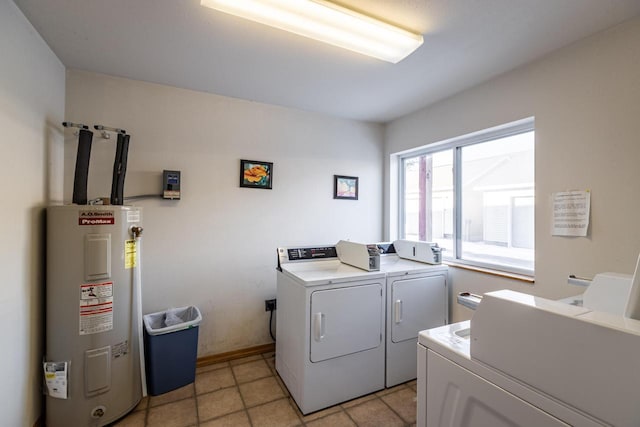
[474, 196]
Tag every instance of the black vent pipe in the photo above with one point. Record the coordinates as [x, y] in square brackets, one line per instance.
[82, 167]
[119, 169]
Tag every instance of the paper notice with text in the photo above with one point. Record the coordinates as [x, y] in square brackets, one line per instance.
[56, 376]
[571, 213]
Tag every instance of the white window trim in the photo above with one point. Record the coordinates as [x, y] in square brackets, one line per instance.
[497, 132]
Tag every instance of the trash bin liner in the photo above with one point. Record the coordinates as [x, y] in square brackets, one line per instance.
[156, 323]
[171, 351]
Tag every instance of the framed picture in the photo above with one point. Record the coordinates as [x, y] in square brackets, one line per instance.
[256, 174]
[345, 187]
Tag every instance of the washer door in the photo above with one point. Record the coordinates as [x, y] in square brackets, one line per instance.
[416, 305]
[345, 321]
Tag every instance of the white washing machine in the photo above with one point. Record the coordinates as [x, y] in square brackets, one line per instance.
[417, 299]
[528, 361]
[456, 391]
[330, 346]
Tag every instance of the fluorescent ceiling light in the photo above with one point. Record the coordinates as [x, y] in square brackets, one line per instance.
[326, 22]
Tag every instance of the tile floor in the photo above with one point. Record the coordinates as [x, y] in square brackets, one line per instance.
[248, 392]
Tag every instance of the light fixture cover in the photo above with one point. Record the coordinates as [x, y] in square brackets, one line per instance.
[326, 22]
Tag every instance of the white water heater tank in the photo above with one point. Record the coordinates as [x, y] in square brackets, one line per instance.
[93, 322]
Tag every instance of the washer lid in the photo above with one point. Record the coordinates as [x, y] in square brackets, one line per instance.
[393, 265]
[327, 272]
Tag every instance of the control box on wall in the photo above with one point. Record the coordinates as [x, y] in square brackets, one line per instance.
[171, 185]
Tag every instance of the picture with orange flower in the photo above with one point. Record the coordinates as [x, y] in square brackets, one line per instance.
[256, 174]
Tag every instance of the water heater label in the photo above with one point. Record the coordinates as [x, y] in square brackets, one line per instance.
[56, 375]
[130, 254]
[96, 218]
[133, 216]
[119, 349]
[96, 308]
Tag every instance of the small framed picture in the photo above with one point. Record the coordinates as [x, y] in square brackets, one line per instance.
[256, 174]
[345, 187]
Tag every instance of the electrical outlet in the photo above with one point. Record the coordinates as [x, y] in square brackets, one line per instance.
[269, 305]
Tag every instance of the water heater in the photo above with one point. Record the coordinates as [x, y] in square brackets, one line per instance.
[92, 364]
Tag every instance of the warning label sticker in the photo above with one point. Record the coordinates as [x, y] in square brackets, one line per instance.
[130, 252]
[120, 349]
[96, 308]
[96, 218]
[133, 216]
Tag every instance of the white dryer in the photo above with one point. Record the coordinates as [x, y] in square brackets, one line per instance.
[330, 328]
[417, 299]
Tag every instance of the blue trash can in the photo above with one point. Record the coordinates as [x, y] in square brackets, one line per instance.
[171, 348]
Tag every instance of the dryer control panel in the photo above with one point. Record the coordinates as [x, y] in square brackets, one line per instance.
[306, 253]
[312, 253]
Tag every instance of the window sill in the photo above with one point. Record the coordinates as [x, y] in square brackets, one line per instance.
[491, 272]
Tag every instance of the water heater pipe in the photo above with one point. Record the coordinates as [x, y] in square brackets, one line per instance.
[136, 232]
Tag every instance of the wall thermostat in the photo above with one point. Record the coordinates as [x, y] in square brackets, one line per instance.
[171, 185]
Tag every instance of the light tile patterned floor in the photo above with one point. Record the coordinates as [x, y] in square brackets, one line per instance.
[248, 392]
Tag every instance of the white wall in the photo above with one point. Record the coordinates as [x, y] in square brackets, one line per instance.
[586, 103]
[216, 248]
[31, 109]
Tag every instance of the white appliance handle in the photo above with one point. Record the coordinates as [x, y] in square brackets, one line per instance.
[318, 326]
[398, 311]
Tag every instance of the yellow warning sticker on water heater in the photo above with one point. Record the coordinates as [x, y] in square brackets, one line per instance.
[130, 253]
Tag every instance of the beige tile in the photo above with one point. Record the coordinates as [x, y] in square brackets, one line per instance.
[404, 403]
[272, 364]
[242, 360]
[340, 419]
[143, 404]
[374, 413]
[134, 419]
[218, 403]
[274, 414]
[319, 414]
[176, 414]
[282, 385]
[261, 391]
[358, 401]
[251, 371]
[214, 380]
[390, 390]
[212, 367]
[237, 419]
[172, 396]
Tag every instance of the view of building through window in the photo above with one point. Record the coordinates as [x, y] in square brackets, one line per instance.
[495, 224]
[428, 198]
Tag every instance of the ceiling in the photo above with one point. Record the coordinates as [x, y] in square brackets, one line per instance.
[180, 43]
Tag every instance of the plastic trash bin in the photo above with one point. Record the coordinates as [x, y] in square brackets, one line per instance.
[171, 351]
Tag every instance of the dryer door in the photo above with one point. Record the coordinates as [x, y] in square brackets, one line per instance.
[417, 304]
[345, 321]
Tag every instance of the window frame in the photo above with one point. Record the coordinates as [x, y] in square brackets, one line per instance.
[456, 144]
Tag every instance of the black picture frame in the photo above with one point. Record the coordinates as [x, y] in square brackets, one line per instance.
[256, 174]
[345, 187]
